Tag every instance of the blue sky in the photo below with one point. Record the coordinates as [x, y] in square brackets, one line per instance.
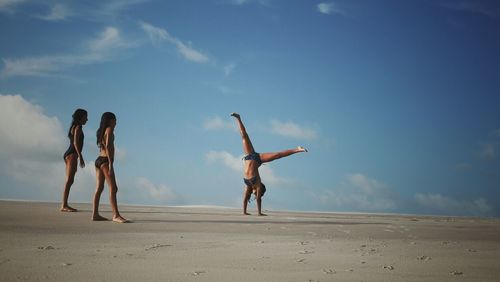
[397, 101]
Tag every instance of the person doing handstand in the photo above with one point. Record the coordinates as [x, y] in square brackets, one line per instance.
[253, 161]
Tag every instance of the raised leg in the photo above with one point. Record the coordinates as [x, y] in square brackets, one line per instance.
[269, 157]
[71, 167]
[247, 144]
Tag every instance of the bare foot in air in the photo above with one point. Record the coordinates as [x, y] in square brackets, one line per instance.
[301, 149]
[236, 115]
[68, 209]
[120, 219]
[98, 218]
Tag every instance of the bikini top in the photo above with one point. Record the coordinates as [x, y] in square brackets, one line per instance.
[72, 136]
[253, 156]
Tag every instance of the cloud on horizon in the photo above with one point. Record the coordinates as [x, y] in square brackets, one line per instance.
[358, 192]
[31, 156]
[441, 204]
[158, 35]
[160, 194]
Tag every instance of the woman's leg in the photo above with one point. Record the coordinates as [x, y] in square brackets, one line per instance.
[110, 178]
[71, 166]
[269, 157]
[97, 195]
[247, 144]
[246, 197]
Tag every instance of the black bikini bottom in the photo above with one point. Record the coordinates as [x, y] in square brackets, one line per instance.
[100, 161]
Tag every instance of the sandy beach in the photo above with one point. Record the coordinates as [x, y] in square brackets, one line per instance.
[39, 243]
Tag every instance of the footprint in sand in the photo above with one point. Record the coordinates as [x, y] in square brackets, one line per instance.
[456, 273]
[329, 271]
[389, 267]
[46, 248]
[301, 260]
[4, 261]
[156, 246]
[305, 252]
[424, 258]
[196, 273]
[303, 243]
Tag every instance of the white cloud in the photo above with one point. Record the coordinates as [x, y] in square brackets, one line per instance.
[329, 8]
[58, 12]
[245, 2]
[159, 193]
[359, 193]
[291, 129]
[230, 161]
[439, 203]
[215, 123]
[228, 69]
[471, 7]
[8, 5]
[25, 130]
[240, 2]
[97, 50]
[497, 133]
[158, 35]
[236, 164]
[487, 151]
[31, 156]
[108, 40]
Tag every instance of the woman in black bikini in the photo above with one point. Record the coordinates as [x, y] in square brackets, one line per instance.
[73, 154]
[253, 161]
[104, 167]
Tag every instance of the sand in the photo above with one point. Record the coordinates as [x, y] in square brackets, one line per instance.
[39, 243]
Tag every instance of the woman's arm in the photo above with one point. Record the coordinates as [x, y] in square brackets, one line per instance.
[109, 147]
[77, 132]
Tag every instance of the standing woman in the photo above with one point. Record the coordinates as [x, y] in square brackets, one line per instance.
[104, 167]
[73, 154]
[253, 161]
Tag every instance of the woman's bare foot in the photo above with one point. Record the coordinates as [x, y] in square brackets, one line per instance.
[236, 115]
[245, 213]
[68, 209]
[262, 214]
[120, 219]
[301, 149]
[98, 218]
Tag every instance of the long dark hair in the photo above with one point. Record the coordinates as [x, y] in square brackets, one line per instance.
[106, 119]
[77, 117]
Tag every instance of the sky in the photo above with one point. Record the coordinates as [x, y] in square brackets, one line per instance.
[398, 102]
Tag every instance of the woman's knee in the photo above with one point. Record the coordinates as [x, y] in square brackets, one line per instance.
[70, 180]
[99, 188]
